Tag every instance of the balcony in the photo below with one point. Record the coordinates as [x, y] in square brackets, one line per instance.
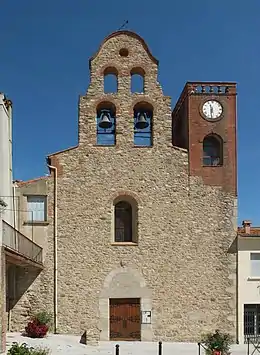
[18, 243]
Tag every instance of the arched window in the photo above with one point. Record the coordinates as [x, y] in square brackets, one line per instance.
[125, 226]
[137, 80]
[143, 124]
[106, 124]
[123, 222]
[212, 151]
[110, 80]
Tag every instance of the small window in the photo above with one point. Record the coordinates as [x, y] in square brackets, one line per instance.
[110, 80]
[137, 80]
[212, 151]
[255, 264]
[123, 222]
[137, 84]
[37, 208]
[110, 84]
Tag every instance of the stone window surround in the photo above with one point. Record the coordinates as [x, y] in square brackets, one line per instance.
[125, 282]
[130, 198]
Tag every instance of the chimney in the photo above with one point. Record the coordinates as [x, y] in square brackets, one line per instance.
[247, 225]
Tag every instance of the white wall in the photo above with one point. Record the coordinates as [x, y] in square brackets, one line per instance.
[248, 288]
[6, 175]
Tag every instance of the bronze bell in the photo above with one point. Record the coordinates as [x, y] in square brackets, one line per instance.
[105, 121]
[141, 122]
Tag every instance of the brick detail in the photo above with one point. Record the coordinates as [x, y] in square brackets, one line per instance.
[122, 193]
[54, 161]
[195, 128]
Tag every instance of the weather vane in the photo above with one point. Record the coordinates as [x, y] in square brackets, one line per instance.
[124, 25]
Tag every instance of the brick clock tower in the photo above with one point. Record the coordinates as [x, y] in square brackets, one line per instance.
[204, 122]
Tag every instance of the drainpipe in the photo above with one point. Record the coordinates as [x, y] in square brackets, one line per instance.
[55, 256]
[14, 274]
[14, 206]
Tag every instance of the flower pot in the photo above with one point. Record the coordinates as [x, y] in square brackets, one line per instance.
[216, 352]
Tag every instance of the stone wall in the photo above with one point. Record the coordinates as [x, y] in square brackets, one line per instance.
[180, 266]
[27, 283]
[185, 230]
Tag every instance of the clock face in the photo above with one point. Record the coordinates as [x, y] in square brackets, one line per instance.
[212, 109]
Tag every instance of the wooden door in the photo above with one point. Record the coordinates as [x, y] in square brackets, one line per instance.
[125, 322]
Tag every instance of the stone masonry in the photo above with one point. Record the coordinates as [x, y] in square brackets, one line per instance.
[180, 266]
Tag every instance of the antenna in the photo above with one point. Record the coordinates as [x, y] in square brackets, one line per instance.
[124, 25]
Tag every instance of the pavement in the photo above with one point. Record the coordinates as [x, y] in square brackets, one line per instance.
[69, 344]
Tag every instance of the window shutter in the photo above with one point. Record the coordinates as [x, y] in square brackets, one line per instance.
[255, 264]
[36, 208]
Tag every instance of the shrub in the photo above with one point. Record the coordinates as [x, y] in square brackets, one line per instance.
[17, 349]
[39, 325]
[24, 349]
[43, 318]
[217, 341]
[36, 330]
[39, 351]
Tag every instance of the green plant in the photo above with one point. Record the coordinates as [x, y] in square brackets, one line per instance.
[43, 318]
[40, 351]
[19, 349]
[24, 349]
[217, 341]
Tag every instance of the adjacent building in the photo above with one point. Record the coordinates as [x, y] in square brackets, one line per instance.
[138, 220]
[248, 268]
[5, 193]
[20, 257]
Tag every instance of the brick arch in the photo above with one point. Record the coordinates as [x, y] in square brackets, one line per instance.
[215, 136]
[124, 194]
[126, 33]
[142, 104]
[143, 100]
[106, 98]
[109, 68]
[216, 141]
[138, 69]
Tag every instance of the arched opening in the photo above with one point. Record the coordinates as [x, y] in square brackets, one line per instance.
[125, 220]
[137, 80]
[143, 124]
[110, 80]
[106, 123]
[212, 150]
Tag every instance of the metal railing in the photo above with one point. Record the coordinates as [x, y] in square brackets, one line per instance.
[18, 242]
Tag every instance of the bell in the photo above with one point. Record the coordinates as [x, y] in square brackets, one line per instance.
[141, 122]
[105, 122]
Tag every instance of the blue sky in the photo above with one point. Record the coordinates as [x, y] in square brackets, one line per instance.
[45, 49]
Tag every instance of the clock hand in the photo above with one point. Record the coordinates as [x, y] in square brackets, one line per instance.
[211, 111]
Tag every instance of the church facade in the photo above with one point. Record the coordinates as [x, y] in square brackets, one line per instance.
[140, 216]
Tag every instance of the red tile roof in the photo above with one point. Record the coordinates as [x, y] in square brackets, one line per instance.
[253, 231]
[21, 182]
